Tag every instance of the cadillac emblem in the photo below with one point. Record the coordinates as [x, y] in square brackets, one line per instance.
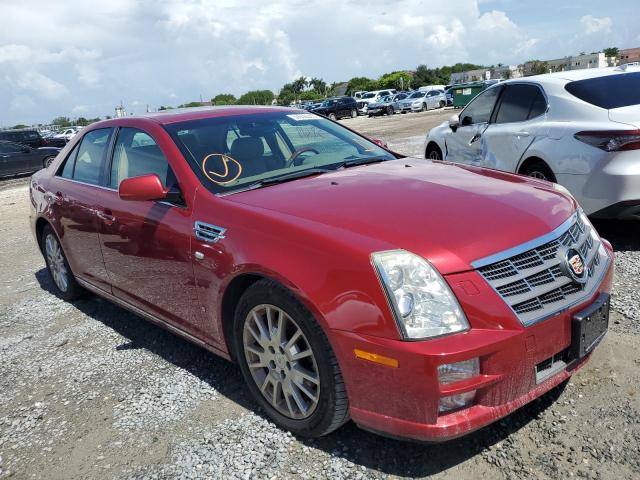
[573, 266]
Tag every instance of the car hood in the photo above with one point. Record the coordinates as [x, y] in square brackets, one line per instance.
[449, 214]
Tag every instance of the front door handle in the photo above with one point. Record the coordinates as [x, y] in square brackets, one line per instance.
[475, 138]
[522, 133]
[106, 217]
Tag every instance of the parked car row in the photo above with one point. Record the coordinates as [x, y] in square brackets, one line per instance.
[27, 150]
[580, 129]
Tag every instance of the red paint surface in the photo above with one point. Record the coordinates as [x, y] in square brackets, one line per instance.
[315, 236]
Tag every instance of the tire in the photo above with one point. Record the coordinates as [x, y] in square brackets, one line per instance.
[354, 113]
[433, 152]
[332, 116]
[64, 282]
[389, 110]
[540, 170]
[442, 103]
[424, 107]
[48, 161]
[273, 370]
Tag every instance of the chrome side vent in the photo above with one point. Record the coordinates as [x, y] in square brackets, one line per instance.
[208, 233]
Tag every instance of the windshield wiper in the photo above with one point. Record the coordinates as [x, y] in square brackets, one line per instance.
[360, 161]
[288, 177]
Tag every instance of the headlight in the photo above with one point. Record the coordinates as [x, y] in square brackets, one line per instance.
[423, 303]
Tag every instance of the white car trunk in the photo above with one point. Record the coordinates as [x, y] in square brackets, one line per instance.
[629, 115]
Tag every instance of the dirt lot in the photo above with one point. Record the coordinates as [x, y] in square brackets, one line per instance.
[88, 390]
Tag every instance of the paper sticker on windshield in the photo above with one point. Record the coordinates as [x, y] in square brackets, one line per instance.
[302, 116]
[221, 169]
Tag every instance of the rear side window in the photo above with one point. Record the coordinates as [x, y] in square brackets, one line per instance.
[67, 169]
[520, 102]
[137, 153]
[610, 91]
[91, 156]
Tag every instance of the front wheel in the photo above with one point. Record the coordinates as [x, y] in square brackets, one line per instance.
[390, 110]
[442, 103]
[424, 107]
[287, 362]
[332, 116]
[433, 152]
[354, 113]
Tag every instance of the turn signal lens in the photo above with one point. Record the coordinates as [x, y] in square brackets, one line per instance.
[376, 358]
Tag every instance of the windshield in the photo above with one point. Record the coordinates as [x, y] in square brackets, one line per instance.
[237, 152]
[417, 95]
[368, 95]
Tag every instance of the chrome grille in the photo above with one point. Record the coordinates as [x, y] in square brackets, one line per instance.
[530, 279]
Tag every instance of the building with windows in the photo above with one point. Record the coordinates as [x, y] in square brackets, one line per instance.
[470, 76]
[505, 72]
[628, 55]
[575, 62]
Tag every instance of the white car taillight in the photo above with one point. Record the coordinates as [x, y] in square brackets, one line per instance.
[612, 140]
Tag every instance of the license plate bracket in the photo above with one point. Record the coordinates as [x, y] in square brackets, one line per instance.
[589, 326]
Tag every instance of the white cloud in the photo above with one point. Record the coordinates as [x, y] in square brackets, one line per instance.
[166, 52]
[593, 24]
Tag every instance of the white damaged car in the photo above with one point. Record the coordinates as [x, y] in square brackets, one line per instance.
[579, 128]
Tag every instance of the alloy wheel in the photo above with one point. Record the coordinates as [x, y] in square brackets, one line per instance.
[56, 263]
[538, 174]
[281, 361]
[433, 154]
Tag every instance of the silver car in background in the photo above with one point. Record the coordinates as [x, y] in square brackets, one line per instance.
[423, 101]
[387, 105]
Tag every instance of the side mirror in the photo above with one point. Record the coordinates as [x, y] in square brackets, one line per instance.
[144, 187]
[454, 122]
[380, 143]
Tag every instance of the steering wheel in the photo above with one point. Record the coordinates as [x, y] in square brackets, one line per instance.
[291, 161]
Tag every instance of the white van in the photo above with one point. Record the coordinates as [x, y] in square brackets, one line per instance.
[428, 88]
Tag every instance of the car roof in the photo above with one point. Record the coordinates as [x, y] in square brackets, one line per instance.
[166, 117]
[573, 75]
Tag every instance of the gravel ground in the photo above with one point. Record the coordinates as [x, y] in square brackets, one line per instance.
[88, 390]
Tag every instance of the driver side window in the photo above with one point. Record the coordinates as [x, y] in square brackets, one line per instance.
[480, 108]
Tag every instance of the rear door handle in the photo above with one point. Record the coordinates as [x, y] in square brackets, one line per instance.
[522, 133]
[106, 217]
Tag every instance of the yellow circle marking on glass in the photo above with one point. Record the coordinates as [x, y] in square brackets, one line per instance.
[221, 178]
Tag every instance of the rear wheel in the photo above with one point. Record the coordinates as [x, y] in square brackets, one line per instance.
[390, 110]
[433, 152]
[64, 282]
[424, 107]
[287, 362]
[354, 113]
[48, 161]
[538, 169]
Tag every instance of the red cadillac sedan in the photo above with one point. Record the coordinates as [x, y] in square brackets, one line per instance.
[420, 299]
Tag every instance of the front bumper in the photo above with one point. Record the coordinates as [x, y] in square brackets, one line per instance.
[403, 401]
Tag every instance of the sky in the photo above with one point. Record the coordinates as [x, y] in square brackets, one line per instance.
[81, 58]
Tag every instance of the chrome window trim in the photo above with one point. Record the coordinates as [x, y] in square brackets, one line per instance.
[530, 245]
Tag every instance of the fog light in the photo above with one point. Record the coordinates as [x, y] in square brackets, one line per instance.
[454, 402]
[454, 372]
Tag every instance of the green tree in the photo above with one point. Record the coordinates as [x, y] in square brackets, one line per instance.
[396, 80]
[318, 85]
[611, 52]
[256, 97]
[361, 83]
[224, 99]
[61, 122]
[299, 84]
[536, 67]
[190, 105]
[82, 122]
